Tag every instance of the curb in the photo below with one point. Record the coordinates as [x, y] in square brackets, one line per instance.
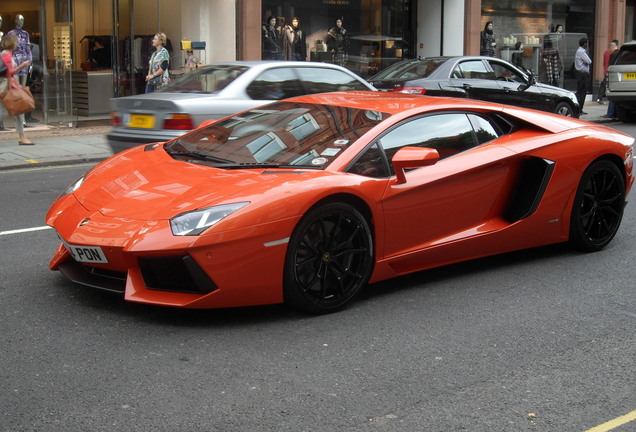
[50, 163]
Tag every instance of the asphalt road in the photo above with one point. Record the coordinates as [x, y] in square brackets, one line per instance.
[538, 340]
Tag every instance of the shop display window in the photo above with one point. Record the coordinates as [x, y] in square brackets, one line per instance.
[376, 33]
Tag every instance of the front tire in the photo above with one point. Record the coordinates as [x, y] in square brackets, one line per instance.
[598, 206]
[564, 109]
[329, 259]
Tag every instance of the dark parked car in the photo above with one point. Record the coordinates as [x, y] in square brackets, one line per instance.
[216, 91]
[485, 78]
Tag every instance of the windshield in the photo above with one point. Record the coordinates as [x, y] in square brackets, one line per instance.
[411, 69]
[205, 80]
[626, 55]
[282, 134]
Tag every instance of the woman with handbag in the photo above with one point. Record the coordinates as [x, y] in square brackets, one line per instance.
[158, 65]
[9, 43]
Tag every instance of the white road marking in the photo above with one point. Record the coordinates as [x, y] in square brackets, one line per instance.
[24, 230]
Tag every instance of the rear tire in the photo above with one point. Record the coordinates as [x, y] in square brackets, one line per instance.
[329, 259]
[624, 115]
[598, 206]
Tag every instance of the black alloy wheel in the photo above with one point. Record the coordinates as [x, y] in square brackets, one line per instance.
[564, 109]
[329, 259]
[598, 206]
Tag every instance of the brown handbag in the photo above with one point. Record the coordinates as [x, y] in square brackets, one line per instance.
[18, 100]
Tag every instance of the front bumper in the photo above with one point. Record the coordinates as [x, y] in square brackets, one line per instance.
[148, 264]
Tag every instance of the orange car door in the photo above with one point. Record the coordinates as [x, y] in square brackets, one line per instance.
[458, 197]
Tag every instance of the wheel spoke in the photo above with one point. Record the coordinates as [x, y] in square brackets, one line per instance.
[324, 283]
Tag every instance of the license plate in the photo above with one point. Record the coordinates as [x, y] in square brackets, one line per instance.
[629, 75]
[86, 254]
[141, 121]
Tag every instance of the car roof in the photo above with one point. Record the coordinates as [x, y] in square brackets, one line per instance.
[466, 57]
[277, 63]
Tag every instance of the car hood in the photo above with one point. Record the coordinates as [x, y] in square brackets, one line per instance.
[151, 185]
[556, 90]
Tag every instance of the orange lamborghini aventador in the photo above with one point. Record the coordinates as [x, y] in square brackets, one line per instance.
[306, 200]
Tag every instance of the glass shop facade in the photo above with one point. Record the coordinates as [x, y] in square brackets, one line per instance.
[87, 51]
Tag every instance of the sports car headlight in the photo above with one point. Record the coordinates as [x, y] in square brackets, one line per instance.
[195, 222]
[73, 187]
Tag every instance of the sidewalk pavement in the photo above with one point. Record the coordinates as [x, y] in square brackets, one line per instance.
[59, 145]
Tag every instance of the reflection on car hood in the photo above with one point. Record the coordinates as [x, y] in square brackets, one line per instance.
[151, 185]
[554, 89]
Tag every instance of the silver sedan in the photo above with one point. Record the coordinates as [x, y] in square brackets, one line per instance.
[217, 91]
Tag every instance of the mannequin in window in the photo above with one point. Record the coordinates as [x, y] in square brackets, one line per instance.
[338, 43]
[294, 44]
[271, 47]
[286, 39]
[22, 53]
[488, 42]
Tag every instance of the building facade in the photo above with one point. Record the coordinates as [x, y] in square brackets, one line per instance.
[86, 51]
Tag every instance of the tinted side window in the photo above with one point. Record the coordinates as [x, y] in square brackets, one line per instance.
[449, 134]
[502, 72]
[472, 69]
[484, 130]
[275, 84]
[370, 163]
[322, 80]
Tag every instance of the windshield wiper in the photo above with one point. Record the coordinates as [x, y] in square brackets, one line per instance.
[250, 165]
[257, 165]
[201, 156]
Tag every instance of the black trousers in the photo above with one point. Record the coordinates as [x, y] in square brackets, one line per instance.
[582, 84]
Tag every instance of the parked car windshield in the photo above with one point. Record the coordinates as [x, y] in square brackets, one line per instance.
[209, 79]
[282, 134]
[411, 69]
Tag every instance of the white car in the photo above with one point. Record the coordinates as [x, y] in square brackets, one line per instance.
[217, 91]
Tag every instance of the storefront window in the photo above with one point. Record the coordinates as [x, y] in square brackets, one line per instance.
[524, 29]
[364, 37]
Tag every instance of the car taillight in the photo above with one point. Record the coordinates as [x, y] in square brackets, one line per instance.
[115, 118]
[178, 122]
[410, 90]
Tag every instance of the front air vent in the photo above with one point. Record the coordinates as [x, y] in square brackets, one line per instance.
[176, 274]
